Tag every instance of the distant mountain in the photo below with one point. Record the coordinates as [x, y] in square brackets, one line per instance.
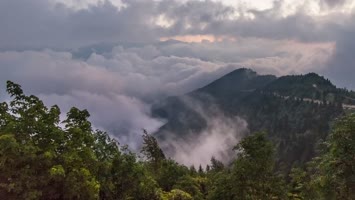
[296, 111]
[237, 83]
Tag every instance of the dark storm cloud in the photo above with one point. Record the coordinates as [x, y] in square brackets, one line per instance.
[44, 24]
[341, 67]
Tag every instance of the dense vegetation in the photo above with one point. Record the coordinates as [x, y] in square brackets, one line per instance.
[296, 111]
[42, 157]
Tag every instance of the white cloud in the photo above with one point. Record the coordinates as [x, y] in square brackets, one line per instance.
[217, 140]
[117, 91]
[118, 85]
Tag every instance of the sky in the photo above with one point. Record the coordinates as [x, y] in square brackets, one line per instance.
[117, 57]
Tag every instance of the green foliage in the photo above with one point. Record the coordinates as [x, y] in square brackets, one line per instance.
[302, 184]
[42, 157]
[152, 151]
[216, 165]
[331, 175]
[175, 195]
[39, 159]
[337, 164]
[252, 175]
[195, 186]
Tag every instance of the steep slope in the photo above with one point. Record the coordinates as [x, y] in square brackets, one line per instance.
[238, 83]
[296, 111]
[181, 112]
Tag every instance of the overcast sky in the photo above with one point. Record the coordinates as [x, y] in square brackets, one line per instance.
[116, 57]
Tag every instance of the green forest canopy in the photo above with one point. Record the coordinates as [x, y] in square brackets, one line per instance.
[42, 157]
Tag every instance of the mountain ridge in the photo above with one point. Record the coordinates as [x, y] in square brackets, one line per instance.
[296, 110]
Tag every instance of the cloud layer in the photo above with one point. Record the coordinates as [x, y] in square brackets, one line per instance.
[116, 90]
[116, 58]
[41, 23]
[217, 140]
[66, 24]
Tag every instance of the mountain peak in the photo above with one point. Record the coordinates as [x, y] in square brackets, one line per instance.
[236, 82]
[247, 73]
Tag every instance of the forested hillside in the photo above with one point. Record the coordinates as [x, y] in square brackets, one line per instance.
[42, 157]
[296, 111]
